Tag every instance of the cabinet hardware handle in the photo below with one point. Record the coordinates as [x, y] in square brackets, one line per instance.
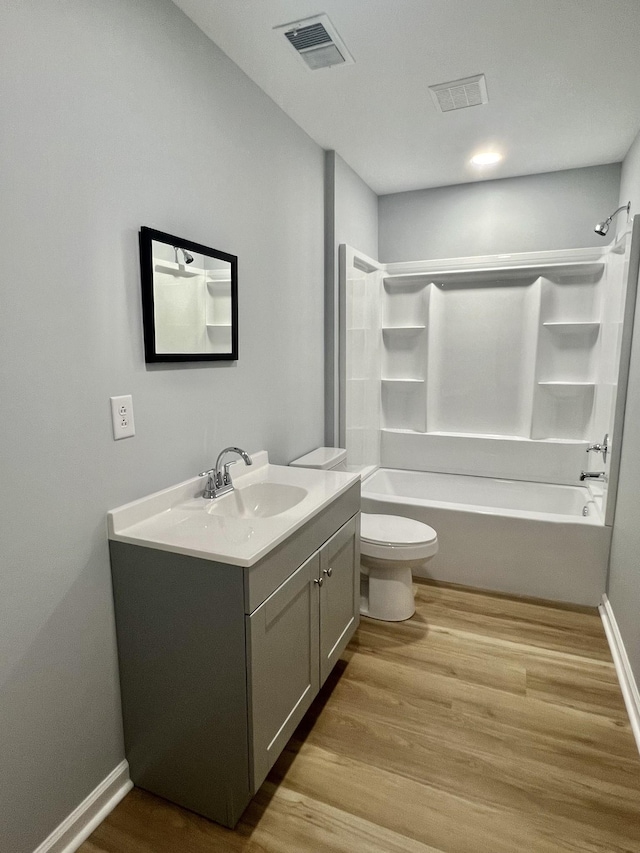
[328, 572]
[319, 581]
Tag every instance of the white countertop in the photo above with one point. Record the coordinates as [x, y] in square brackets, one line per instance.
[180, 520]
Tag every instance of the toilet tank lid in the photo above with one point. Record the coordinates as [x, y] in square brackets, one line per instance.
[321, 457]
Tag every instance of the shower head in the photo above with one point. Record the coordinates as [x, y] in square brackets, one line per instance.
[188, 257]
[602, 227]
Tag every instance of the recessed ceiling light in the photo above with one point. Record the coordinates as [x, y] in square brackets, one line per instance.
[486, 158]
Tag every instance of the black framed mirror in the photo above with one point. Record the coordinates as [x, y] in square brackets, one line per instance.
[189, 299]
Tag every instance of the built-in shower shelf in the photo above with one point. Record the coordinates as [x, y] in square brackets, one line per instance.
[400, 431]
[414, 279]
[507, 274]
[484, 438]
[177, 270]
[560, 382]
[573, 328]
[403, 328]
[567, 389]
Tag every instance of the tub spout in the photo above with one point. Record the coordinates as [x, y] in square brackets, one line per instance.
[592, 475]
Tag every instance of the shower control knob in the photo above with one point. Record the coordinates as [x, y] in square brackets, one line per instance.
[601, 448]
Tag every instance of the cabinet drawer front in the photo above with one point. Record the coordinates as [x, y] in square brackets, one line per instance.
[283, 672]
[340, 593]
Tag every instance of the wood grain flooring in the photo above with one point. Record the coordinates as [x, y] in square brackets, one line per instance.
[484, 724]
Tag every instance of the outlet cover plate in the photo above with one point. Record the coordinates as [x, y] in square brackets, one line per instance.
[122, 417]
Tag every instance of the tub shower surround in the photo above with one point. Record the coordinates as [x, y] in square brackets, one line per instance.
[494, 368]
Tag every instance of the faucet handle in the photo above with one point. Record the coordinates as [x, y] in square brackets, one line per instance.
[601, 448]
[226, 477]
[210, 488]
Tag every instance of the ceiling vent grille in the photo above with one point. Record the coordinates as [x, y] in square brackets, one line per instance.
[317, 42]
[458, 94]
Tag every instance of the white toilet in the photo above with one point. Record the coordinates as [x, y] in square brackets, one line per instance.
[390, 546]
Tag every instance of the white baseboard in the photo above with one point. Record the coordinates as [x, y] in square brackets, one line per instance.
[79, 825]
[623, 667]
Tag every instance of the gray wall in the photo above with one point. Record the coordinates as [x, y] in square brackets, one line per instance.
[556, 210]
[116, 114]
[630, 182]
[624, 566]
[356, 211]
[351, 216]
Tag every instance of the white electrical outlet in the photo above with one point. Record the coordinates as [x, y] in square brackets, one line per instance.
[122, 417]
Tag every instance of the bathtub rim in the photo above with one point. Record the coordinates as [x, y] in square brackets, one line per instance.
[594, 518]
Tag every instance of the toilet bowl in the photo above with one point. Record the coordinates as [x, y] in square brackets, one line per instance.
[390, 547]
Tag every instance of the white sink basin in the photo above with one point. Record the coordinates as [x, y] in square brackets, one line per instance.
[268, 504]
[258, 500]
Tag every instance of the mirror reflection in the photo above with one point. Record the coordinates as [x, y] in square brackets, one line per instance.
[189, 299]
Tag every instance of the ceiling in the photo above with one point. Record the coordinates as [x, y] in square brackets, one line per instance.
[563, 78]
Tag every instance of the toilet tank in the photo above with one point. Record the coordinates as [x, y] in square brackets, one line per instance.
[325, 458]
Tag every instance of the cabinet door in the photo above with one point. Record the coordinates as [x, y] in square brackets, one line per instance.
[282, 657]
[339, 593]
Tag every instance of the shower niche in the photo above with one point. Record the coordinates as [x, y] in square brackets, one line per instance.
[566, 369]
[404, 356]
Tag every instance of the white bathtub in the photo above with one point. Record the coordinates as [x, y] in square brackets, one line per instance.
[506, 535]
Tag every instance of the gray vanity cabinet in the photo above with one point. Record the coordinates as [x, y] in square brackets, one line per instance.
[339, 594]
[282, 650]
[294, 640]
[219, 663]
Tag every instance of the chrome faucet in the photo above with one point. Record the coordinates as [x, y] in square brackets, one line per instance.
[219, 478]
[601, 448]
[592, 475]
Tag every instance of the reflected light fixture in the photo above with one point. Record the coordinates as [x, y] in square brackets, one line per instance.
[486, 158]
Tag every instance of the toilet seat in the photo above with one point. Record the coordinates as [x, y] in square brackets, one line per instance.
[391, 547]
[394, 537]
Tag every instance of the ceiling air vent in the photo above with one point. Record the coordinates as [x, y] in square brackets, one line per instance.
[316, 42]
[458, 94]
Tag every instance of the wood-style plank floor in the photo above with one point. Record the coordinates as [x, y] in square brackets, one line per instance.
[484, 724]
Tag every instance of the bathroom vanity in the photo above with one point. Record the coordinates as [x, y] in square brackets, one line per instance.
[229, 619]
